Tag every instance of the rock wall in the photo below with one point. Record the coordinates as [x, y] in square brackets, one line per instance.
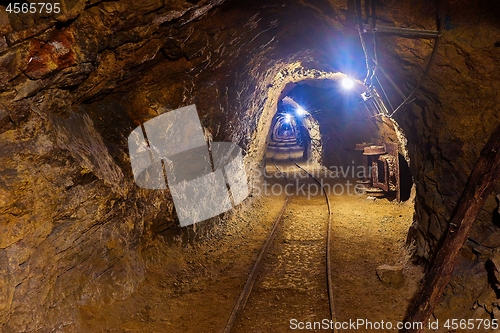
[73, 222]
[452, 117]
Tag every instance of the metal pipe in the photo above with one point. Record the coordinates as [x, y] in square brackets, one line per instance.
[359, 19]
[404, 32]
[374, 29]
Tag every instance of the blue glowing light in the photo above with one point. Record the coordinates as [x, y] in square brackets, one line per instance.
[347, 83]
[300, 111]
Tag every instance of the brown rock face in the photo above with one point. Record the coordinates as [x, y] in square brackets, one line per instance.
[73, 85]
[391, 275]
[45, 58]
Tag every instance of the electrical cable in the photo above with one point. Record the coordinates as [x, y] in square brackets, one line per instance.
[392, 82]
[372, 72]
[383, 90]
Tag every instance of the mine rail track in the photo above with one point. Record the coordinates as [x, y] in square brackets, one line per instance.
[253, 275]
[328, 249]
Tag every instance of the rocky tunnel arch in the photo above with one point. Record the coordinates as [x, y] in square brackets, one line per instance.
[340, 122]
[294, 131]
[278, 88]
[283, 128]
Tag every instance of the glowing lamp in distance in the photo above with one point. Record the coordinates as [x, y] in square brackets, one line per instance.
[288, 118]
[300, 111]
[347, 83]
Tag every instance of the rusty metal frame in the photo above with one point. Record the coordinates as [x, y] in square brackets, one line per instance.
[384, 160]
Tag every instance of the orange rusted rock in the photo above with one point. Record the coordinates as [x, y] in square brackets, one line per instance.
[56, 54]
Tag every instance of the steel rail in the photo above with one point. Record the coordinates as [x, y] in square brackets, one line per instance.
[329, 279]
[247, 289]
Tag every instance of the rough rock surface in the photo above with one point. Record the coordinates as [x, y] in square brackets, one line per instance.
[391, 275]
[75, 84]
[452, 117]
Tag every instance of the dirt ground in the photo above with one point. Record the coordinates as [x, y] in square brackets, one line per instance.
[193, 287]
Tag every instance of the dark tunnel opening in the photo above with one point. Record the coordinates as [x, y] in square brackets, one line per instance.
[291, 135]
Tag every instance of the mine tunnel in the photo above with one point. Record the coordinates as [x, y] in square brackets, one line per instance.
[249, 166]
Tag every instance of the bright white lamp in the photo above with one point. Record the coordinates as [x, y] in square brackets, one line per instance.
[347, 83]
[300, 111]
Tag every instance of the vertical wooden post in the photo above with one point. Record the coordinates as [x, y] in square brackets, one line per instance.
[481, 182]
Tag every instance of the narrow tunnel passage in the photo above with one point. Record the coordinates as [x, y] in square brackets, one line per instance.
[284, 138]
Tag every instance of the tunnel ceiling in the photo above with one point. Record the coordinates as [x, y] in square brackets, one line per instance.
[75, 84]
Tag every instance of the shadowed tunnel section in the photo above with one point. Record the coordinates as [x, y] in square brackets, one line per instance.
[79, 235]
